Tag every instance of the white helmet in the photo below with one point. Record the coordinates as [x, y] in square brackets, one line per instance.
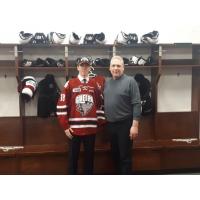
[25, 38]
[29, 85]
[74, 38]
[122, 38]
[56, 38]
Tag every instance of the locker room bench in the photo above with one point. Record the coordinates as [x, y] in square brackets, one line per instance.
[45, 147]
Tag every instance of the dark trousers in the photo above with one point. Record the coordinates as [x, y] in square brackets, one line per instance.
[74, 150]
[121, 145]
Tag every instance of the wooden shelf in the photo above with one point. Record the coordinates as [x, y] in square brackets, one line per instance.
[7, 45]
[41, 45]
[140, 45]
[90, 46]
[58, 69]
[180, 66]
[141, 67]
[126, 67]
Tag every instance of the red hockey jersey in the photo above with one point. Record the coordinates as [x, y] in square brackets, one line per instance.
[80, 107]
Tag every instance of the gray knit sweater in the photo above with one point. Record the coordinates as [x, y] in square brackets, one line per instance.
[122, 99]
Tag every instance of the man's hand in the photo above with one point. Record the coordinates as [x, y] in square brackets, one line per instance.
[133, 132]
[68, 133]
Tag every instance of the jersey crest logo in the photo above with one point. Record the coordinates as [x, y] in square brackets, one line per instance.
[84, 103]
[84, 88]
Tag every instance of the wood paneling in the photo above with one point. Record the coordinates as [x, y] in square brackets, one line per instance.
[9, 164]
[43, 131]
[146, 159]
[181, 158]
[146, 128]
[178, 62]
[43, 164]
[10, 131]
[176, 125]
[195, 89]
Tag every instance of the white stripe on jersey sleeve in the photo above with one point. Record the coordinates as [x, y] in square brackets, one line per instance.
[83, 126]
[61, 113]
[82, 119]
[62, 107]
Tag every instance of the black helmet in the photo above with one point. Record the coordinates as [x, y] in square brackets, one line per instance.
[104, 62]
[39, 38]
[99, 38]
[89, 39]
[150, 38]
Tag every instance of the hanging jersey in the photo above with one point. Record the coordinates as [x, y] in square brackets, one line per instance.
[79, 107]
[48, 94]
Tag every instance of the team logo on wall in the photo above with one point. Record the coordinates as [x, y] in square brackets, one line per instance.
[84, 103]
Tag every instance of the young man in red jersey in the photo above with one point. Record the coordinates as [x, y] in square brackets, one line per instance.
[79, 111]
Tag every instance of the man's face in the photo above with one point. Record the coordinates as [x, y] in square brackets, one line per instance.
[116, 68]
[83, 69]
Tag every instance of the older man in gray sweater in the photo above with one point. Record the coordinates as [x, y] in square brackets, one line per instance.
[122, 110]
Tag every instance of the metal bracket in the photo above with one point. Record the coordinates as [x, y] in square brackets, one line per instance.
[187, 140]
[10, 148]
